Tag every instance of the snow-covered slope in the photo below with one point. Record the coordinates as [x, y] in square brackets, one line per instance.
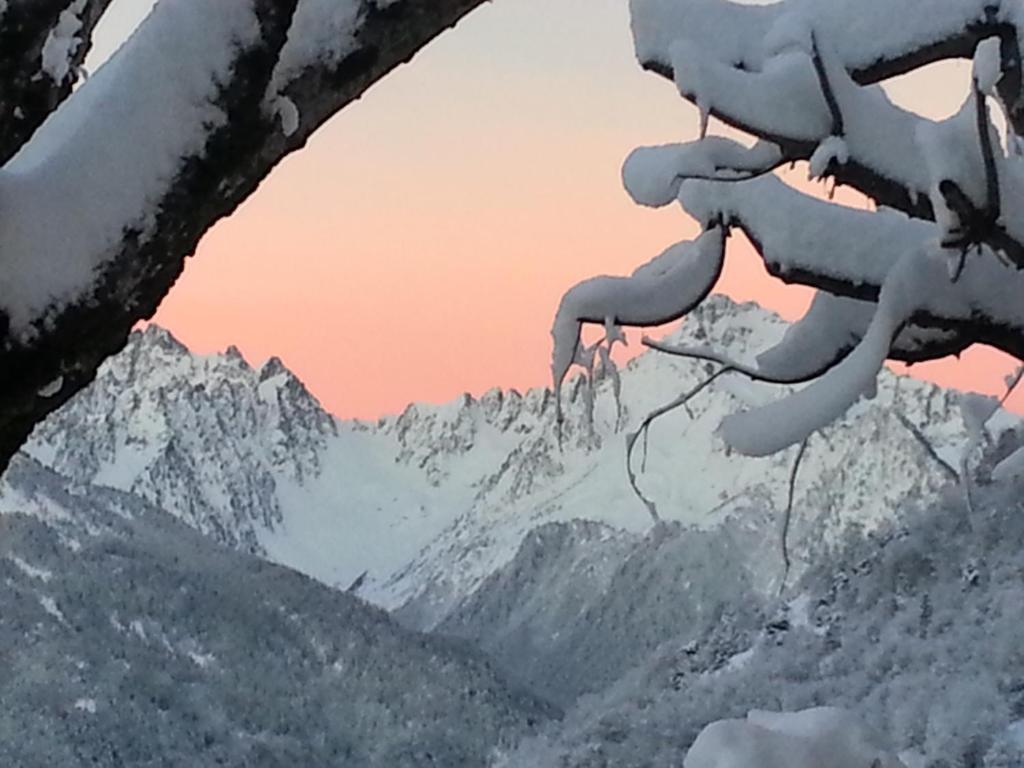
[127, 638]
[915, 628]
[431, 502]
[579, 605]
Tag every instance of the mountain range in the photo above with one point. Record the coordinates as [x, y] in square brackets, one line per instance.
[423, 506]
[518, 547]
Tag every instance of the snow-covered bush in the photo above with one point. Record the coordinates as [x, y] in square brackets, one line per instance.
[935, 268]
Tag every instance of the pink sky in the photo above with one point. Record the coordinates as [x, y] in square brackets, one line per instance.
[418, 247]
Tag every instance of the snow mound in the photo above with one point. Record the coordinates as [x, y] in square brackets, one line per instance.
[823, 737]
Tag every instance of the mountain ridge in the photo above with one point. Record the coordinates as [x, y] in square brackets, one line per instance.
[430, 502]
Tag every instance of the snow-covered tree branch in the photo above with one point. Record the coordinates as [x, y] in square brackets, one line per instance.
[105, 190]
[934, 270]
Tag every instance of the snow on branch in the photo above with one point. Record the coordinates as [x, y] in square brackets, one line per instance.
[802, 93]
[659, 292]
[653, 175]
[928, 278]
[793, 419]
[875, 39]
[849, 252]
[104, 162]
[798, 234]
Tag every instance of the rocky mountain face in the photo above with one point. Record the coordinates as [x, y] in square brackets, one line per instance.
[207, 437]
[427, 505]
[126, 638]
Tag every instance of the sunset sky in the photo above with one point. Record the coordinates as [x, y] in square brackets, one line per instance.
[418, 247]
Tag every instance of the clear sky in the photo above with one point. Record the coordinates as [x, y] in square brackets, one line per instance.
[418, 247]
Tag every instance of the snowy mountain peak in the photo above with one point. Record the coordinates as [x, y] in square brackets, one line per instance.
[155, 335]
[432, 501]
[272, 368]
[234, 353]
[737, 329]
[206, 437]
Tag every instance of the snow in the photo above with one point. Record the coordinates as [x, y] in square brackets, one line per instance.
[202, 660]
[351, 518]
[951, 150]
[988, 65]
[793, 419]
[62, 43]
[740, 660]
[731, 31]
[322, 33]
[799, 232]
[52, 388]
[977, 409]
[876, 132]
[831, 325]
[656, 293]
[85, 705]
[30, 570]
[102, 161]
[768, 85]
[831, 150]
[747, 33]
[783, 99]
[1010, 467]
[431, 502]
[823, 737]
[288, 113]
[652, 175]
[137, 628]
[50, 606]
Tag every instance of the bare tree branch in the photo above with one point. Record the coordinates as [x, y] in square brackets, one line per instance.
[631, 438]
[787, 515]
[926, 444]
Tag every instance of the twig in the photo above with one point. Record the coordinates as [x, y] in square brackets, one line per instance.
[1012, 384]
[928, 447]
[631, 438]
[707, 355]
[789, 513]
[838, 125]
